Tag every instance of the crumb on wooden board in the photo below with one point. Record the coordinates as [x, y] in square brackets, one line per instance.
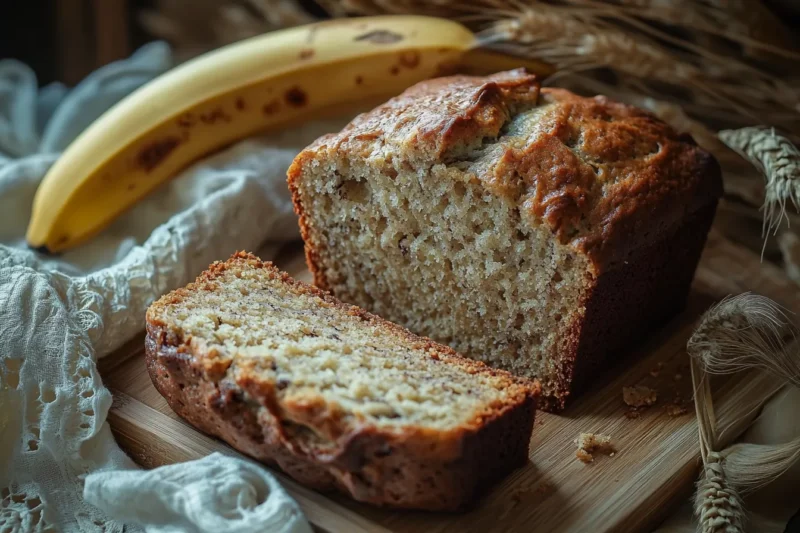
[639, 396]
[633, 413]
[675, 410]
[584, 456]
[657, 370]
[591, 443]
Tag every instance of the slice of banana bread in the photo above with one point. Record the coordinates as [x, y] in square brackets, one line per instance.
[335, 396]
[538, 231]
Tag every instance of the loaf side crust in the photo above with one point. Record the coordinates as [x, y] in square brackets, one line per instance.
[628, 302]
[416, 468]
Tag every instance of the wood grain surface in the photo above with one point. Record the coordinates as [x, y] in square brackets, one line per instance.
[657, 455]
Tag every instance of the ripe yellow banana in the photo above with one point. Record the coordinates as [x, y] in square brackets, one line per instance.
[221, 97]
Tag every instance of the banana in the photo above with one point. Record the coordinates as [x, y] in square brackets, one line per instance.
[259, 84]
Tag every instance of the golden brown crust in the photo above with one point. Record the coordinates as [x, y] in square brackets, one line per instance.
[437, 120]
[414, 467]
[607, 178]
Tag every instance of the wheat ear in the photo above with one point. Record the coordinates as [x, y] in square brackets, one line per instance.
[778, 160]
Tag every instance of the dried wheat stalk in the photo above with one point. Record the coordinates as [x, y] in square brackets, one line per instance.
[779, 160]
[630, 38]
[718, 507]
[580, 38]
[745, 331]
[789, 244]
[754, 28]
[754, 465]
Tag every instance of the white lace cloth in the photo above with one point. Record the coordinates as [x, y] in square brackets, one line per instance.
[58, 315]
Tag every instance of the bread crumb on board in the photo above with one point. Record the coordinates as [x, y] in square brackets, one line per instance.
[545, 487]
[657, 370]
[542, 489]
[633, 413]
[639, 396]
[584, 456]
[675, 410]
[591, 443]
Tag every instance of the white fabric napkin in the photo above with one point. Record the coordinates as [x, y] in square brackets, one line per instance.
[59, 314]
[214, 494]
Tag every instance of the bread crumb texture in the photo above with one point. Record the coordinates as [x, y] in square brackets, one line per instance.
[639, 396]
[675, 410]
[633, 413]
[591, 443]
[244, 320]
[657, 370]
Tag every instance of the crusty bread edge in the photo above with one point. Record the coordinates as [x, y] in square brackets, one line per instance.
[294, 174]
[418, 468]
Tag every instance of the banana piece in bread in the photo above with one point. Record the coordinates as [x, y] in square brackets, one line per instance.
[536, 230]
[336, 397]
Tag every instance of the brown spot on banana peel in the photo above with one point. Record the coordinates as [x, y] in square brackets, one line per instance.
[186, 120]
[409, 58]
[153, 153]
[214, 116]
[380, 37]
[240, 104]
[359, 80]
[271, 107]
[306, 53]
[395, 70]
[296, 97]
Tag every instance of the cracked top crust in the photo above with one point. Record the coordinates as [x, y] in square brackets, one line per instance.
[605, 177]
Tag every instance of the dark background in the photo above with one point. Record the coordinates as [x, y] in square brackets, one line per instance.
[66, 39]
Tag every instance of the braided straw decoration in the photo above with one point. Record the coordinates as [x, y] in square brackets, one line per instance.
[741, 332]
[719, 508]
[717, 505]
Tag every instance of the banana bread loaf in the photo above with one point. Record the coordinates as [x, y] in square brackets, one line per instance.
[336, 397]
[535, 230]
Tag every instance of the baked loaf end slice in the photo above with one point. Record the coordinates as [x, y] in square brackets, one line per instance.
[537, 230]
[336, 397]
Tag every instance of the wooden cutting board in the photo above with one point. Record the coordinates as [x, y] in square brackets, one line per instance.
[654, 468]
